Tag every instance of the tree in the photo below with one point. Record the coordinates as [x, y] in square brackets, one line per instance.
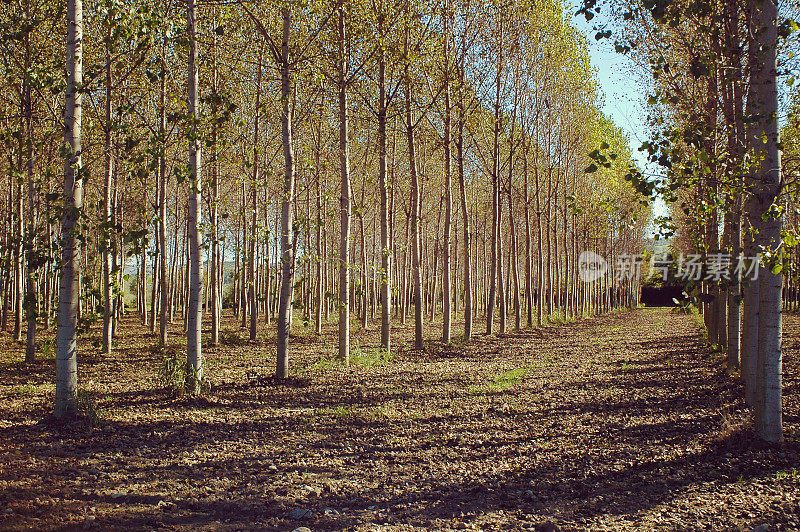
[768, 221]
[287, 232]
[66, 351]
[448, 185]
[194, 349]
[345, 208]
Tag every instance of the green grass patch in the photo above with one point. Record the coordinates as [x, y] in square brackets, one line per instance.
[792, 475]
[31, 389]
[557, 318]
[502, 381]
[364, 357]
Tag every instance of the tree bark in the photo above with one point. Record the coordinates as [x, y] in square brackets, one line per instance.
[66, 351]
[415, 207]
[447, 297]
[162, 201]
[386, 244]
[287, 255]
[251, 259]
[768, 407]
[194, 353]
[344, 200]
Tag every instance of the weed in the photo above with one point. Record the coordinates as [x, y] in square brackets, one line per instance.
[683, 306]
[370, 357]
[557, 318]
[87, 408]
[179, 377]
[230, 338]
[47, 347]
[502, 381]
[792, 434]
[788, 475]
[366, 357]
[31, 389]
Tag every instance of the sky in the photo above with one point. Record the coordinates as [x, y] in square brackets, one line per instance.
[624, 99]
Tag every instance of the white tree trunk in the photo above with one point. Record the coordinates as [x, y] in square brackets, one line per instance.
[768, 411]
[162, 203]
[287, 255]
[386, 245]
[344, 201]
[448, 186]
[194, 352]
[66, 359]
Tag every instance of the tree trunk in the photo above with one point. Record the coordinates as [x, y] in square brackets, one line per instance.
[496, 261]
[194, 353]
[31, 301]
[447, 297]
[768, 407]
[287, 256]
[215, 259]
[66, 357]
[468, 312]
[251, 259]
[344, 200]
[162, 201]
[415, 209]
[386, 245]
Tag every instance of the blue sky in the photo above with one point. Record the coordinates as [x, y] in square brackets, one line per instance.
[624, 98]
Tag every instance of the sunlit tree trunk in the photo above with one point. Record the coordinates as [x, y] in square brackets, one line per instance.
[496, 255]
[66, 351]
[468, 299]
[215, 258]
[344, 201]
[416, 257]
[252, 294]
[286, 236]
[447, 297]
[162, 201]
[386, 244]
[194, 353]
[768, 407]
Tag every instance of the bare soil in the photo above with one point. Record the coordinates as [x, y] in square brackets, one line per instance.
[619, 422]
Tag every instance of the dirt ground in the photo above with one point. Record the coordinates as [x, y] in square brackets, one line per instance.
[619, 422]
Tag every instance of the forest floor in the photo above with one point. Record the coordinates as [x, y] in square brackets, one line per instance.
[618, 422]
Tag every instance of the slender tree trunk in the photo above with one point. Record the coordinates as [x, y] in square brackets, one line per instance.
[768, 404]
[447, 296]
[344, 202]
[416, 258]
[31, 301]
[19, 254]
[215, 259]
[287, 255]
[251, 280]
[528, 258]
[66, 353]
[162, 201]
[468, 312]
[194, 353]
[386, 244]
[496, 259]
